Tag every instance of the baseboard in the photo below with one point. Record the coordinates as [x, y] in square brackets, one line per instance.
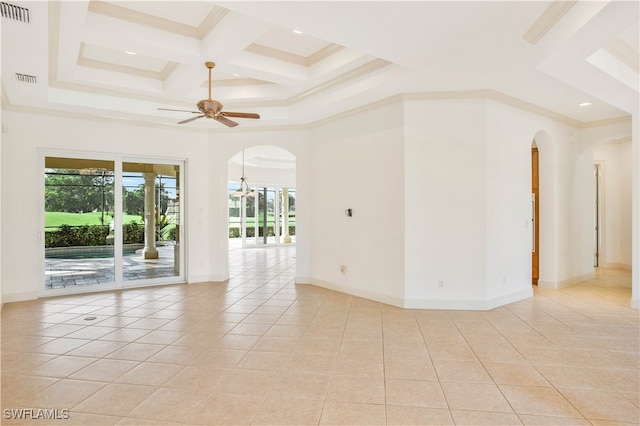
[218, 278]
[470, 305]
[634, 303]
[622, 266]
[19, 297]
[303, 280]
[365, 294]
[475, 305]
[566, 283]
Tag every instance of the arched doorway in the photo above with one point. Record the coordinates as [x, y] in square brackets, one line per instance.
[262, 197]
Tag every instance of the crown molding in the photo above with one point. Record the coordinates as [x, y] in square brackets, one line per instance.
[492, 95]
[120, 12]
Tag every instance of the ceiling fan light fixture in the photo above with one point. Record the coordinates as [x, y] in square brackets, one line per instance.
[211, 108]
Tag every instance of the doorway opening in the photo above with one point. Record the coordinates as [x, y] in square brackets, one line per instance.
[597, 213]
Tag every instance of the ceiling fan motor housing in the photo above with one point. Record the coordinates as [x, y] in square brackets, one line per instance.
[210, 107]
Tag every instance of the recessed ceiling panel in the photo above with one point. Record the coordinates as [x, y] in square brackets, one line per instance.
[185, 12]
[121, 58]
[287, 41]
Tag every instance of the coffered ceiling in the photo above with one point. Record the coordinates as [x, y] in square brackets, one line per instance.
[296, 62]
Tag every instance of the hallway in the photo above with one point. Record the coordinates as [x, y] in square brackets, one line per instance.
[259, 349]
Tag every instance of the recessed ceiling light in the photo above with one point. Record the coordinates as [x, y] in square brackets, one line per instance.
[235, 74]
[297, 32]
[128, 52]
[584, 104]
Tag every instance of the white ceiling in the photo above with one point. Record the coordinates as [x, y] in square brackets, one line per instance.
[549, 56]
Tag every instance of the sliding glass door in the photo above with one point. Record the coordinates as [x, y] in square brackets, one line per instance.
[111, 223]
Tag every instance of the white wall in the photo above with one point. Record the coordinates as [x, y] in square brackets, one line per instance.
[445, 203]
[440, 191]
[615, 163]
[469, 228]
[357, 163]
[508, 209]
[1, 290]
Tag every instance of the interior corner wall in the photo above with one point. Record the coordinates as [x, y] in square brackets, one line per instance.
[468, 219]
[357, 163]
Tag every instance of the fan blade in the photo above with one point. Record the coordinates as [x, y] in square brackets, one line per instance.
[190, 119]
[226, 121]
[240, 114]
[179, 110]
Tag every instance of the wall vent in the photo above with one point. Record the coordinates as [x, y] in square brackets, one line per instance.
[26, 78]
[14, 12]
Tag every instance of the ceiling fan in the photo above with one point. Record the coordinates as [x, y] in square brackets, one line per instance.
[211, 108]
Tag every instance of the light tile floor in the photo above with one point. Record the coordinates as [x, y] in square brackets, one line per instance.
[261, 350]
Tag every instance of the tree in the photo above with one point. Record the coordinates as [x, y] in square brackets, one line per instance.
[67, 190]
[133, 200]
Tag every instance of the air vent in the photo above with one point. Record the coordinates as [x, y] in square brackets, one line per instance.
[14, 12]
[26, 78]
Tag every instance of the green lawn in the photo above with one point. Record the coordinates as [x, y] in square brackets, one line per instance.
[54, 219]
[235, 221]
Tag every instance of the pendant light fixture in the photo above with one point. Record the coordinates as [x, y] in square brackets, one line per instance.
[244, 190]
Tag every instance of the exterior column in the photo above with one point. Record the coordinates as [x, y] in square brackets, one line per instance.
[150, 251]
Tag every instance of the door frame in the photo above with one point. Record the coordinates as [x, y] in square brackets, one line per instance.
[535, 219]
[118, 282]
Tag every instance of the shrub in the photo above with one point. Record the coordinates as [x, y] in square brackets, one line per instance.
[85, 235]
[133, 233]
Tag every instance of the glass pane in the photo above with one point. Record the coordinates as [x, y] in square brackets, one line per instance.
[151, 221]
[235, 216]
[78, 198]
[288, 222]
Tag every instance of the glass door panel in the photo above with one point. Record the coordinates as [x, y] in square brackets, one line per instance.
[150, 221]
[288, 213]
[78, 212]
[265, 218]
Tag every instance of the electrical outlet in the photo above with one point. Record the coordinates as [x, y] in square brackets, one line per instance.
[343, 269]
[440, 283]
